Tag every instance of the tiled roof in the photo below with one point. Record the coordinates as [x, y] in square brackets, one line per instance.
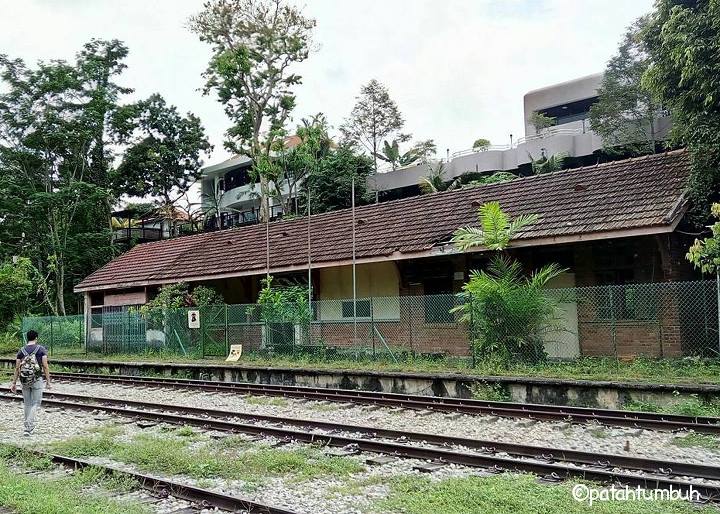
[641, 193]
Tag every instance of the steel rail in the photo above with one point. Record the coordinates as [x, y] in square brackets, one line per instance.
[497, 463]
[650, 420]
[163, 486]
[529, 451]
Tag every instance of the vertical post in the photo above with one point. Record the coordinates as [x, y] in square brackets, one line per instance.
[267, 238]
[52, 335]
[372, 324]
[472, 329]
[227, 339]
[409, 306]
[717, 293]
[309, 249]
[612, 323]
[354, 276]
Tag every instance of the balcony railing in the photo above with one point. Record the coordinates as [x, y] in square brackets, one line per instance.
[241, 218]
[140, 234]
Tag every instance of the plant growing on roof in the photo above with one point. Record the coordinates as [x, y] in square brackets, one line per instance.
[509, 314]
[481, 144]
[546, 164]
[541, 121]
[435, 181]
[496, 229]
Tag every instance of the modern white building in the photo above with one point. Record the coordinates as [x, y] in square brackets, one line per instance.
[568, 103]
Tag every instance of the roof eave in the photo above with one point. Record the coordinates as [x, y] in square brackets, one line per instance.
[446, 249]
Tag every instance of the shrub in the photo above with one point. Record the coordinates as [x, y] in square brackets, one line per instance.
[509, 313]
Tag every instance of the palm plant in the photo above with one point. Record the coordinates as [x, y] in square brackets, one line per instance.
[496, 229]
[546, 164]
[510, 313]
[435, 181]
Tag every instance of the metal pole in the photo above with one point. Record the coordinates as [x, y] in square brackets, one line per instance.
[267, 237]
[309, 249]
[354, 276]
[717, 292]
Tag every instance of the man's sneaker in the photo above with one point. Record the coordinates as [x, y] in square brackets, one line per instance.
[26, 433]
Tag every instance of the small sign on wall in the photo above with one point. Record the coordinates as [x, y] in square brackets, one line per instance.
[193, 319]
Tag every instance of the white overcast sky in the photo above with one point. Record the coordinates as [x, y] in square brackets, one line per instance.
[457, 69]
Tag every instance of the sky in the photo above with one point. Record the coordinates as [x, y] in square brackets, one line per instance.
[458, 69]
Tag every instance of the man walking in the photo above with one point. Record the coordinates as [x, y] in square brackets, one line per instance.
[31, 364]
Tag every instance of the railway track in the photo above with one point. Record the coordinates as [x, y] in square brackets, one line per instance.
[648, 420]
[550, 463]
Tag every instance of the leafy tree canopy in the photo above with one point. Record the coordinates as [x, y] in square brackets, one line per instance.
[681, 39]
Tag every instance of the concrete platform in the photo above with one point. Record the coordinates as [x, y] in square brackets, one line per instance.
[604, 394]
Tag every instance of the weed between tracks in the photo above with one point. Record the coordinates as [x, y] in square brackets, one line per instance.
[692, 406]
[271, 401]
[67, 494]
[195, 456]
[697, 441]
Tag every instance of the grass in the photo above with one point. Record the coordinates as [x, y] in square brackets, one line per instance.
[490, 392]
[691, 406]
[68, 494]
[686, 370]
[507, 494]
[266, 400]
[230, 458]
[693, 440]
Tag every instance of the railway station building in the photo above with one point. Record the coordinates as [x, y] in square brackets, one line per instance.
[613, 223]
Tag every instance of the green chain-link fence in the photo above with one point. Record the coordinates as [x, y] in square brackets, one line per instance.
[654, 320]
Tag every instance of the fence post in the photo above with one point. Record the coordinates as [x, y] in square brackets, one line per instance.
[472, 330]
[52, 336]
[410, 310]
[613, 334]
[717, 292]
[372, 324]
[227, 339]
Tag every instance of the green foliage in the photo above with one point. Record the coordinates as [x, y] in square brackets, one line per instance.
[435, 181]
[693, 440]
[374, 118]
[704, 254]
[330, 184]
[164, 154]
[287, 304]
[508, 493]
[540, 121]
[482, 144]
[495, 231]
[496, 392]
[509, 313]
[255, 47]
[177, 296]
[626, 113]
[197, 458]
[18, 288]
[681, 39]
[546, 164]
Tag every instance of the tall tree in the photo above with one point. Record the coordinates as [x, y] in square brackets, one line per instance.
[163, 158]
[46, 152]
[374, 118]
[627, 112]
[330, 184]
[255, 45]
[682, 41]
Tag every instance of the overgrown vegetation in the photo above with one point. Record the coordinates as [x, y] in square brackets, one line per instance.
[693, 440]
[232, 458]
[509, 313]
[504, 494]
[26, 494]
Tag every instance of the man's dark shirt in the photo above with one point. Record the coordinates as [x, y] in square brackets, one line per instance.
[41, 351]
